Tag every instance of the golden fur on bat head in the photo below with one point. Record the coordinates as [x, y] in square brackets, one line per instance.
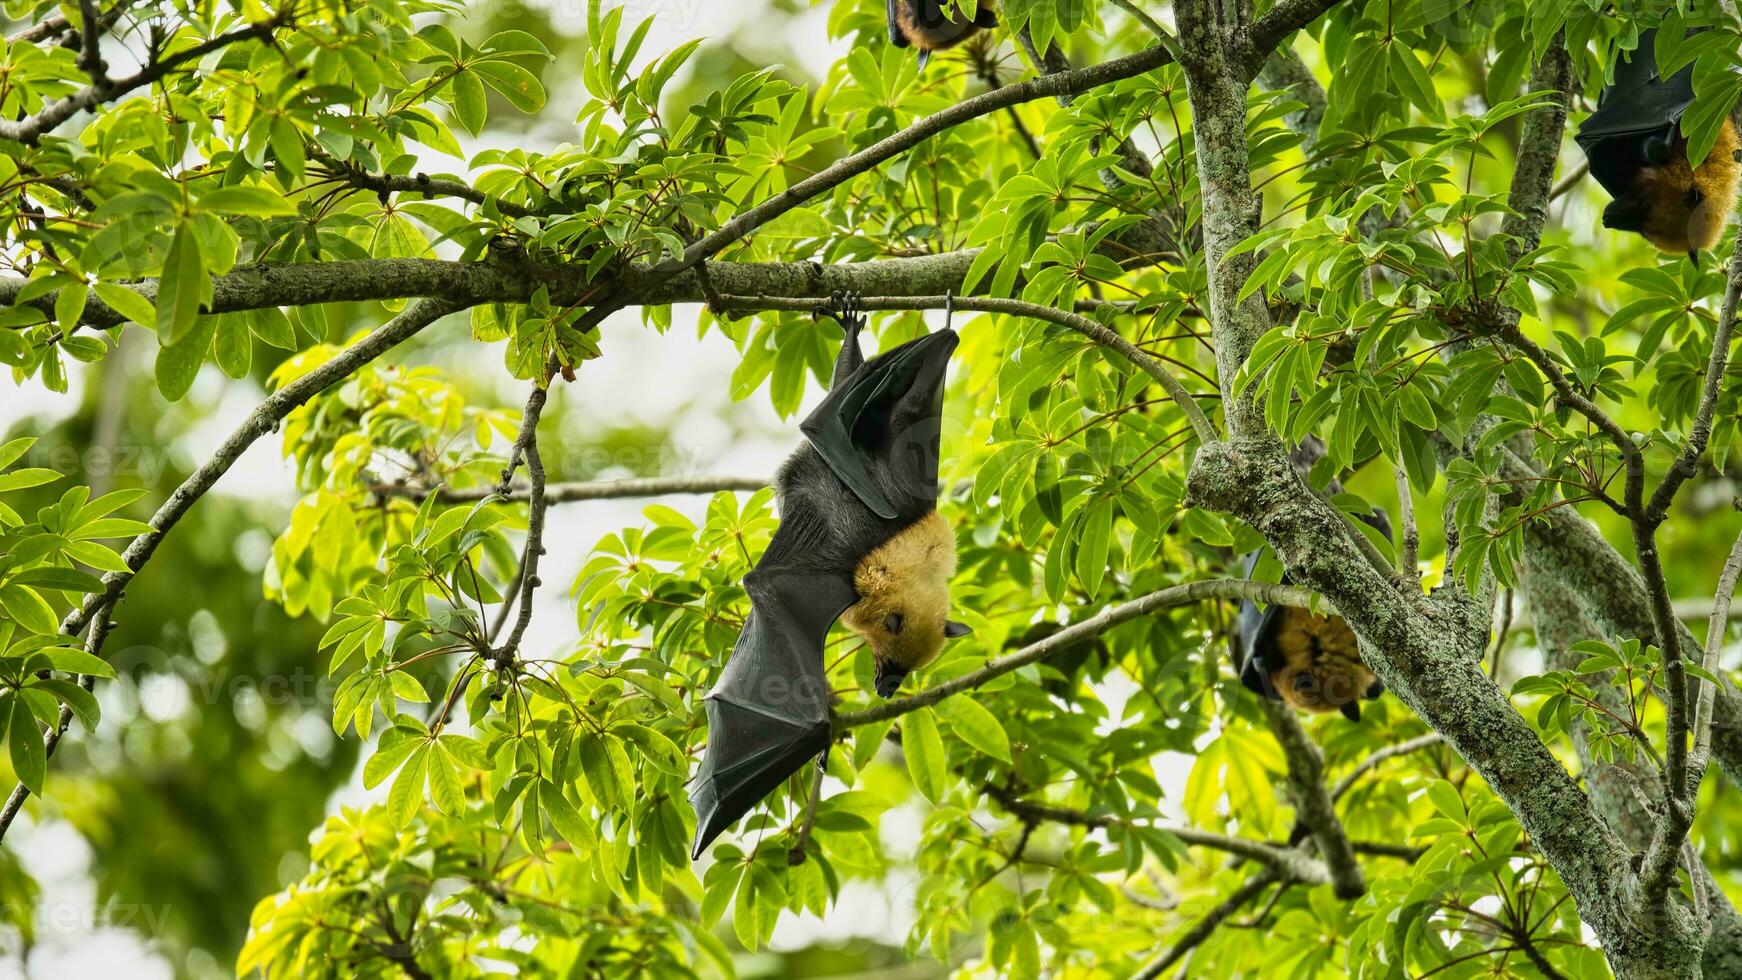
[1321, 668]
[908, 577]
[1686, 207]
[933, 37]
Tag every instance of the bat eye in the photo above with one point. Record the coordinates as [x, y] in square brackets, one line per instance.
[1695, 197]
[892, 623]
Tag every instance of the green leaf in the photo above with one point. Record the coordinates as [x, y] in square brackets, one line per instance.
[64, 579]
[73, 661]
[179, 364]
[470, 104]
[568, 822]
[388, 758]
[29, 758]
[254, 202]
[28, 609]
[975, 725]
[181, 291]
[924, 750]
[81, 702]
[406, 795]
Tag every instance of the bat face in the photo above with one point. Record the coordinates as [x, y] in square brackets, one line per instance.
[903, 610]
[1319, 668]
[929, 26]
[1310, 662]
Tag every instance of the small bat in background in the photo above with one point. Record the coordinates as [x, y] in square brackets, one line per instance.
[926, 25]
[1308, 661]
[1638, 153]
[860, 538]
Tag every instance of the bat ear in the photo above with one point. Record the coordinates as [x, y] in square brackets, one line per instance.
[1374, 689]
[953, 629]
[1352, 711]
[1694, 257]
[892, 622]
[924, 58]
[1659, 150]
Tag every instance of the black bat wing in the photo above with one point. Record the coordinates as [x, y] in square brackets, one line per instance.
[769, 713]
[878, 429]
[897, 36]
[1637, 119]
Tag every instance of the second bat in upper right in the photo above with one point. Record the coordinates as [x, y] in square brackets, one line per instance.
[1640, 156]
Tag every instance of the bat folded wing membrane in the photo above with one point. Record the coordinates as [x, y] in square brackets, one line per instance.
[769, 713]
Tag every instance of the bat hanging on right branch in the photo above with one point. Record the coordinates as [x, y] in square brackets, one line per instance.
[926, 25]
[1639, 153]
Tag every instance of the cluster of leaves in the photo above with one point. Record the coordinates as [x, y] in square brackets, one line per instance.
[455, 888]
[41, 579]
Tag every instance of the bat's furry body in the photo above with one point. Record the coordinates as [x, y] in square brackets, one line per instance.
[1320, 667]
[904, 596]
[926, 25]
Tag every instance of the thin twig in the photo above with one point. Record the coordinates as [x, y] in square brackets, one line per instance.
[1373, 761]
[526, 446]
[1295, 865]
[795, 856]
[1195, 936]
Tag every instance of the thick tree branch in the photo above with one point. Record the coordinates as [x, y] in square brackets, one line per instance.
[564, 493]
[1105, 336]
[1180, 595]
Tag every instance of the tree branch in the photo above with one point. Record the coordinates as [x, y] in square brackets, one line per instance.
[1272, 29]
[1285, 861]
[1313, 805]
[564, 493]
[832, 176]
[31, 128]
[526, 445]
[1200, 423]
[1715, 629]
[1373, 761]
[1101, 622]
[1206, 926]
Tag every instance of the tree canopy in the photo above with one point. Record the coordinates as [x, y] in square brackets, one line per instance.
[1230, 276]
